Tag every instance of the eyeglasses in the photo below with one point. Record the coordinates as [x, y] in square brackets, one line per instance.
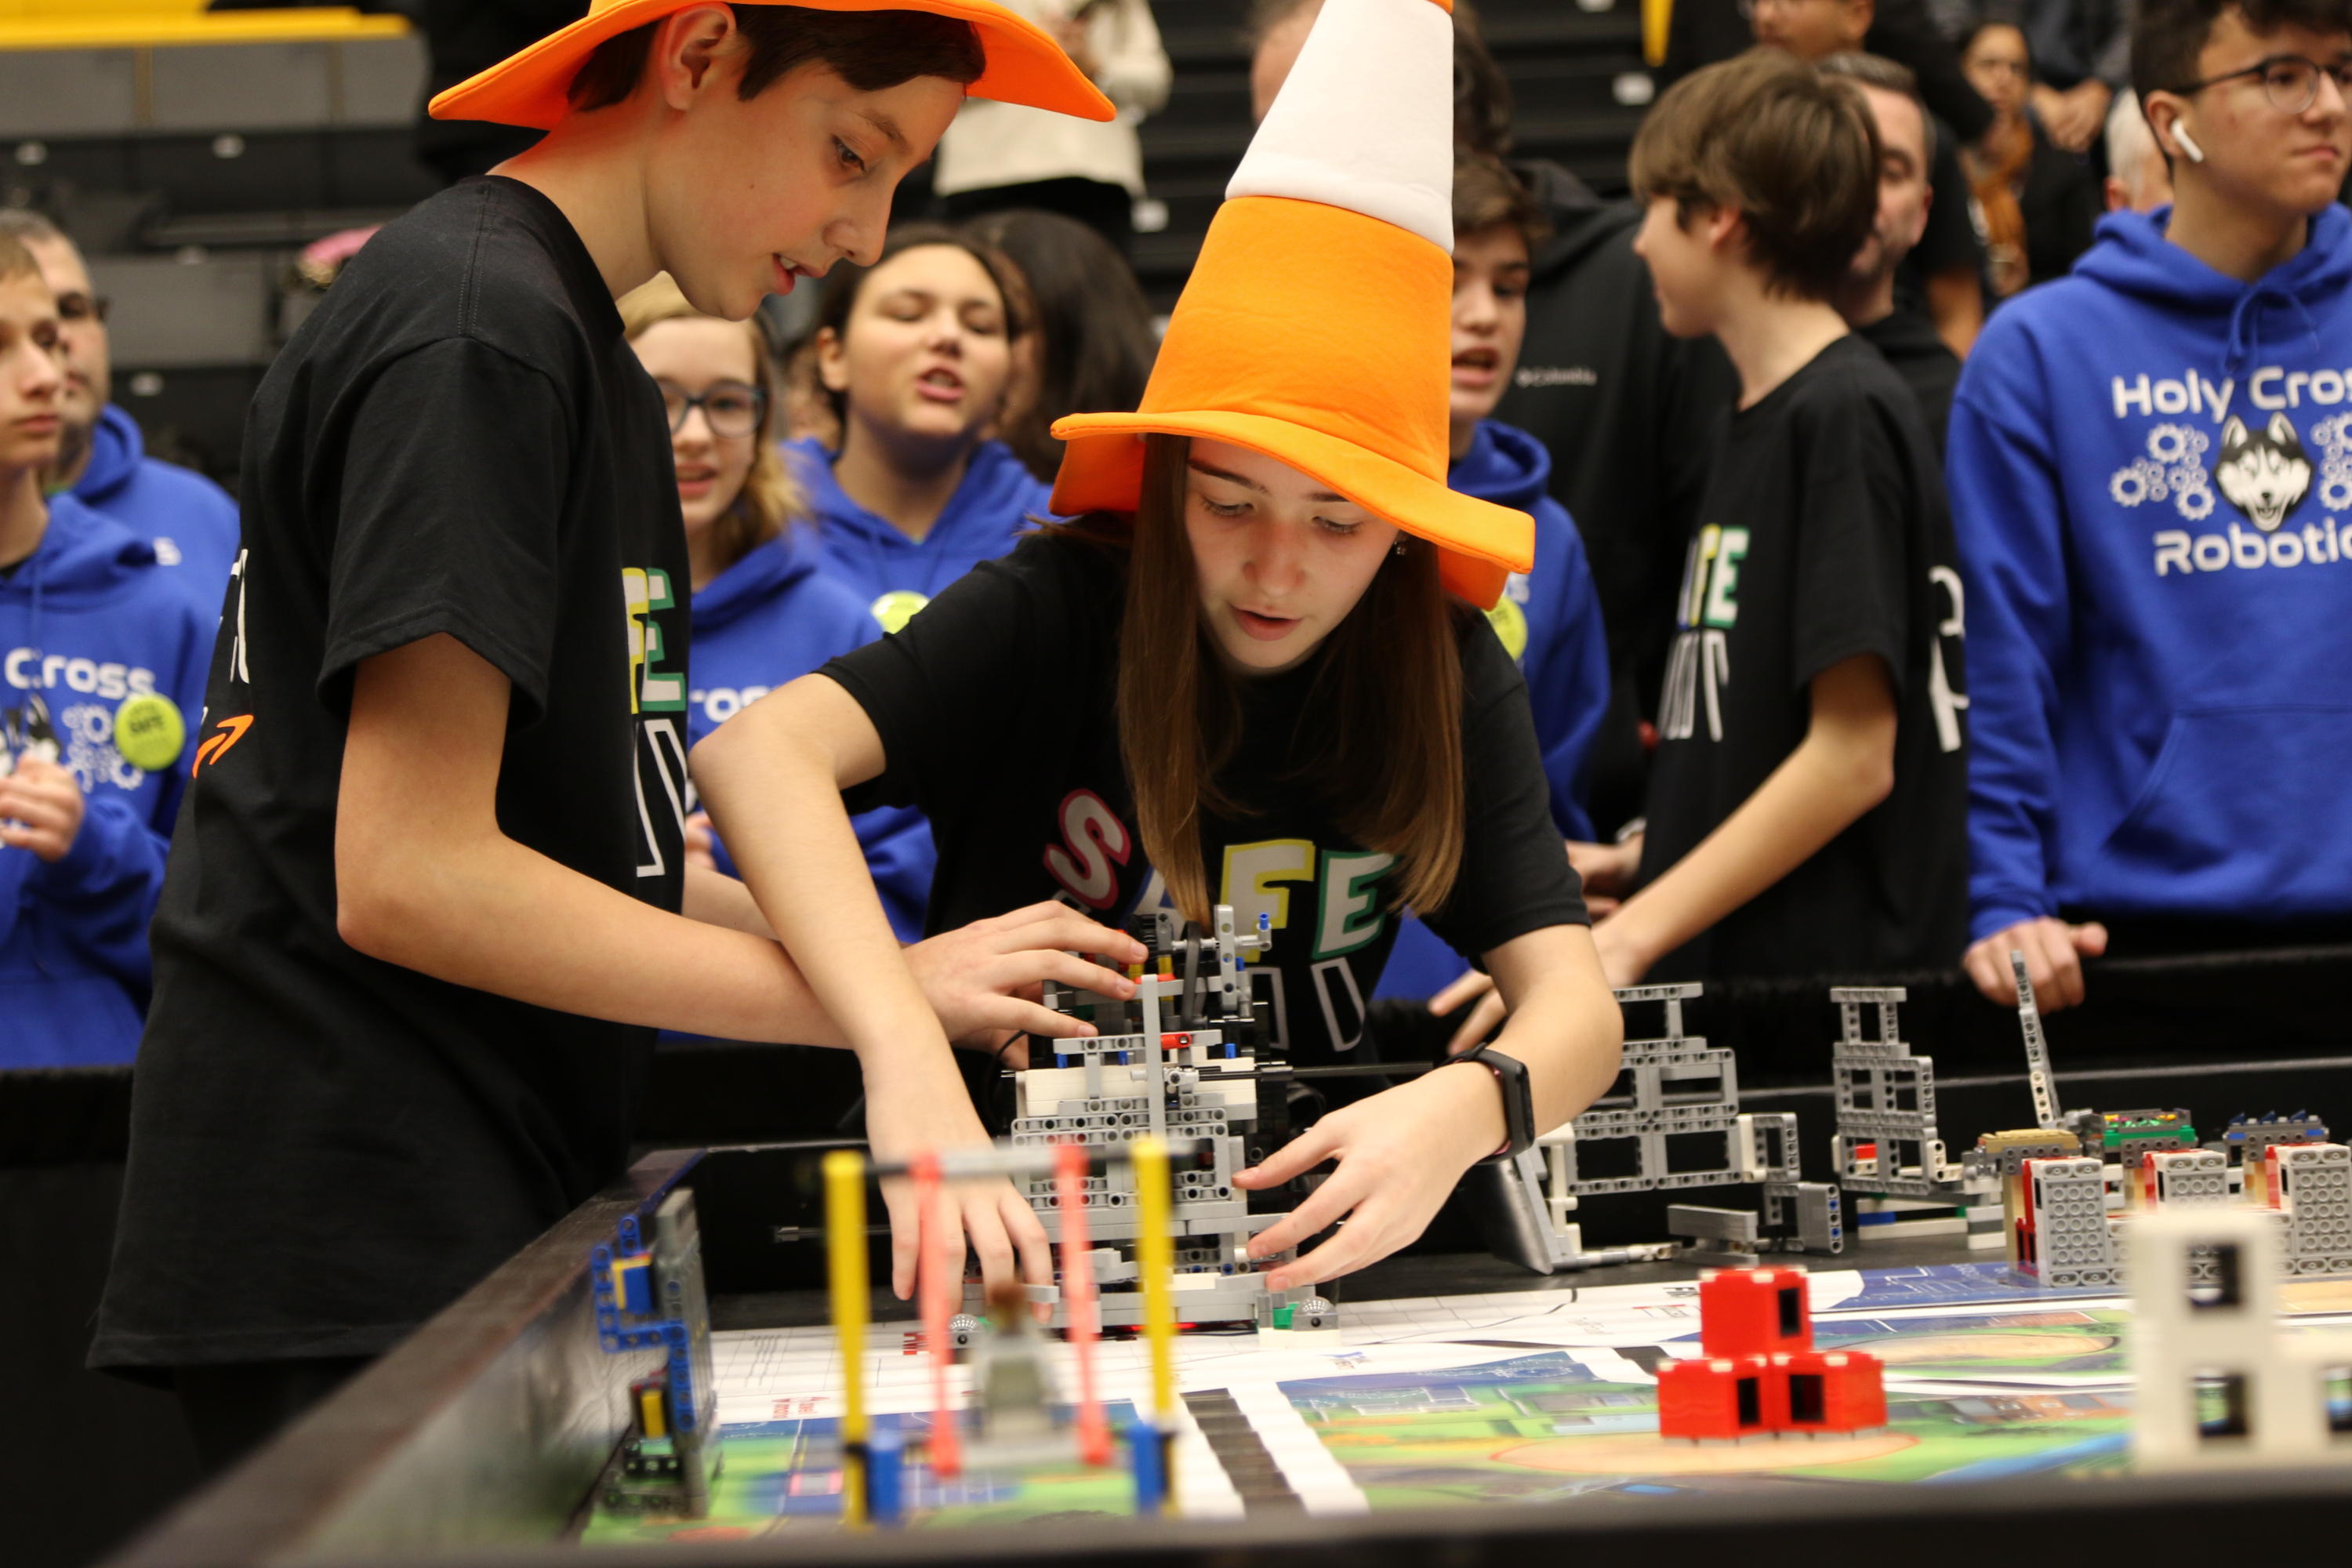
[2290, 80]
[731, 408]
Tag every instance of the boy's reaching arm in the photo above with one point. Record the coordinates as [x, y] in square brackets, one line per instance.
[1844, 767]
[426, 879]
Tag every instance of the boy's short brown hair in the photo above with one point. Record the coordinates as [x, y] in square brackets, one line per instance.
[2169, 36]
[1488, 195]
[1795, 154]
[871, 51]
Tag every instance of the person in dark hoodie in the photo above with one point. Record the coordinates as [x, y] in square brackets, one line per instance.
[764, 612]
[2150, 459]
[101, 670]
[916, 354]
[1906, 142]
[1548, 617]
[102, 458]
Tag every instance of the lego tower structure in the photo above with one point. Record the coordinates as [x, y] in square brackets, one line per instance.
[1886, 1140]
[1181, 1062]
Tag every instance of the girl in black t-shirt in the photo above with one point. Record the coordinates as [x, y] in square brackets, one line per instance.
[1240, 678]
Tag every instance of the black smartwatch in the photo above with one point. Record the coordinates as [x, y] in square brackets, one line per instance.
[1519, 1098]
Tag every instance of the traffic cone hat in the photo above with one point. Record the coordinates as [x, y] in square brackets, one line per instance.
[1318, 325]
[528, 87]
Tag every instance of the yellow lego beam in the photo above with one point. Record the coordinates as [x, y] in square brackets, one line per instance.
[167, 24]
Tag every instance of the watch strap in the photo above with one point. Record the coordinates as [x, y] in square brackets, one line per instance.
[1518, 1098]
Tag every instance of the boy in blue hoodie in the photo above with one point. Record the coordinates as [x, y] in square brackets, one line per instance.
[1550, 617]
[2150, 463]
[102, 458]
[102, 667]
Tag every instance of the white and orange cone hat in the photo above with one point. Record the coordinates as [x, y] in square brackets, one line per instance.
[1318, 325]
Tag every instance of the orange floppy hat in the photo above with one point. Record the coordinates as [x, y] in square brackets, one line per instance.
[528, 87]
[1317, 327]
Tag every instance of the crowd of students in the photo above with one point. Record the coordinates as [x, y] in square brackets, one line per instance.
[1808, 650]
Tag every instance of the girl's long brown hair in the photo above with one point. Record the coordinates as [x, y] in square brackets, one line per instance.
[1382, 752]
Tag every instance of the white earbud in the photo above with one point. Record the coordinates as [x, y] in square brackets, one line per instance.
[2187, 143]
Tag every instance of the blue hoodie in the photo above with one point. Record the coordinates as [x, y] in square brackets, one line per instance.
[193, 521]
[768, 620]
[2151, 475]
[986, 516]
[88, 621]
[1550, 619]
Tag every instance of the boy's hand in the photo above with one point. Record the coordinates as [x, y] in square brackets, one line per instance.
[906, 1120]
[1400, 1153]
[700, 842]
[40, 809]
[987, 976]
[2053, 952]
[1624, 959]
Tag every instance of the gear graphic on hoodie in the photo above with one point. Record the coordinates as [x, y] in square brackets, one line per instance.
[2171, 470]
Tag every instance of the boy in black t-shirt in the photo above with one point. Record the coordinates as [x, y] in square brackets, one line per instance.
[424, 910]
[1807, 804]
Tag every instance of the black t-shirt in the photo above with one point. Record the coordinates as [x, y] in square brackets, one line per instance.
[1823, 535]
[326, 1149]
[1908, 342]
[997, 712]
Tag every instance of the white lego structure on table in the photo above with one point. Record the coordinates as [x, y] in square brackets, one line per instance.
[1175, 1063]
[2205, 1306]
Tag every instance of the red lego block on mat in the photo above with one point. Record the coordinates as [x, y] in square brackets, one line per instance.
[1721, 1397]
[1754, 1311]
[1834, 1391]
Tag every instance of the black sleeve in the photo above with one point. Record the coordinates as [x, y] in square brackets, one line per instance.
[951, 690]
[455, 471]
[1950, 239]
[1515, 875]
[1851, 526]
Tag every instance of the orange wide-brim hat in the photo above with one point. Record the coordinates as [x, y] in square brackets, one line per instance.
[1323, 339]
[1025, 66]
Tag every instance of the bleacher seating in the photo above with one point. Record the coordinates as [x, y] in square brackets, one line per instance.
[193, 154]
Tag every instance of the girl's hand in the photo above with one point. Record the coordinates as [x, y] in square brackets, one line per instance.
[916, 1117]
[1399, 1153]
[1480, 1021]
[1607, 869]
[40, 809]
[987, 976]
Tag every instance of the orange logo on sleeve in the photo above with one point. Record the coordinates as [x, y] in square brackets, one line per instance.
[231, 731]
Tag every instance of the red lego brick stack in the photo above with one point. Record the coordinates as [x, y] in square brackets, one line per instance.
[1759, 1375]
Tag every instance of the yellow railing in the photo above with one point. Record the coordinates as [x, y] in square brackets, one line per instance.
[153, 24]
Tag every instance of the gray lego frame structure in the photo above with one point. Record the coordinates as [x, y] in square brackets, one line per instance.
[1886, 1103]
[1180, 1061]
[1677, 1125]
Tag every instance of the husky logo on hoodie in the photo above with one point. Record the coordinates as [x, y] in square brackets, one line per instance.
[2265, 473]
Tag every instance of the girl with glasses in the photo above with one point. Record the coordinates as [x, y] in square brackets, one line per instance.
[764, 611]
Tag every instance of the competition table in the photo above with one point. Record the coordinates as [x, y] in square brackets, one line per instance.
[478, 1441]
